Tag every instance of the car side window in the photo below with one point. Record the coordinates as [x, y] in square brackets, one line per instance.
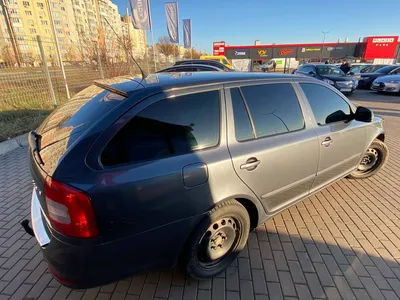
[274, 108]
[327, 106]
[243, 129]
[170, 127]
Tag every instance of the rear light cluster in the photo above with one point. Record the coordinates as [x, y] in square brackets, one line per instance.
[70, 210]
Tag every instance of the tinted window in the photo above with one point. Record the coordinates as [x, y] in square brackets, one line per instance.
[385, 70]
[306, 69]
[327, 106]
[169, 127]
[274, 108]
[243, 129]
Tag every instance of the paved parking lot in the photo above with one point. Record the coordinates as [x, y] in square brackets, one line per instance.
[342, 243]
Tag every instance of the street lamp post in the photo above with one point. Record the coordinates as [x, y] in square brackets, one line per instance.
[323, 42]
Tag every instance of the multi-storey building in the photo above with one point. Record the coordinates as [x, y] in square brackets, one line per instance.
[79, 26]
[136, 38]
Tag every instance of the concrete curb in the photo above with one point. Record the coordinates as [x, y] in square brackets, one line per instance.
[14, 143]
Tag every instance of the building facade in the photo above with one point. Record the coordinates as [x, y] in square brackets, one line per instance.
[135, 38]
[80, 26]
[369, 49]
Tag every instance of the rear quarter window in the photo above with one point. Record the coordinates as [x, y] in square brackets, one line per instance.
[170, 127]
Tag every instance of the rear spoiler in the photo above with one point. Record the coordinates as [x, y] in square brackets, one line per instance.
[35, 143]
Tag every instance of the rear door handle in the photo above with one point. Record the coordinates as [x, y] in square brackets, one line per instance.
[327, 142]
[250, 164]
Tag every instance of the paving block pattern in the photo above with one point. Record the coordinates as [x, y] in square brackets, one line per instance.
[342, 243]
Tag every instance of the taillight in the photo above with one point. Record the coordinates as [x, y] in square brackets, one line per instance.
[70, 210]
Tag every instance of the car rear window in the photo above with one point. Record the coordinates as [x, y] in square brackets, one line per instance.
[78, 114]
[170, 127]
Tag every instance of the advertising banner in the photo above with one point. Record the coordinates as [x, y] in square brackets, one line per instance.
[339, 50]
[187, 33]
[140, 14]
[171, 13]
[380, 46]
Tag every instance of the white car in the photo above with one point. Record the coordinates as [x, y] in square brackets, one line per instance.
[390, 83]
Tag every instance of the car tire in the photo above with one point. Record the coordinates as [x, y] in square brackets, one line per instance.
[217, 240]
[373, 161]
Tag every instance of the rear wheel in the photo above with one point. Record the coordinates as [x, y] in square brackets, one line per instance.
[373, 160]
[217, 240]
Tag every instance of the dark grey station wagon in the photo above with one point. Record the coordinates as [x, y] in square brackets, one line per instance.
[135, 174]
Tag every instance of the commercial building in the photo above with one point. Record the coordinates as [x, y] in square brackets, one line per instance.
[370, 49]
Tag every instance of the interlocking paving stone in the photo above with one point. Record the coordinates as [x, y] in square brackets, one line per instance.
[341, 243]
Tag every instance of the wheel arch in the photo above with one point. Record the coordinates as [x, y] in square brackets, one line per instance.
[381, 137]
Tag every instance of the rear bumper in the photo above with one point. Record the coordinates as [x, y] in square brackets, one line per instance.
[86, 263]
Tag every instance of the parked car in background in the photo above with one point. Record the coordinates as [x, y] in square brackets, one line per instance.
[139, 174]
[204, 62]
[390, 84]
[222, 59]
[331, 74]
[190, 68]
[367, 78]
[365, 68]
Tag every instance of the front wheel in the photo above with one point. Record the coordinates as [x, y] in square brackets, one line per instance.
[373, 160]
[217, 240]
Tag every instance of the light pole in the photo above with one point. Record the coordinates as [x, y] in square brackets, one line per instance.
[323, 42]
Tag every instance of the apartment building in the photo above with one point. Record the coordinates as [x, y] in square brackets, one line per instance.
[136, 37]
[30, 18]
[79, 25]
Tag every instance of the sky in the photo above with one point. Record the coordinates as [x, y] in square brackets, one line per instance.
[241, 22]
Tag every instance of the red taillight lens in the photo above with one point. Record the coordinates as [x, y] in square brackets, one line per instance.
[70, 210]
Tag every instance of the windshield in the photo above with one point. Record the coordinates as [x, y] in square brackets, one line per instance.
[329, 70]
[225, 62]
[385, 70]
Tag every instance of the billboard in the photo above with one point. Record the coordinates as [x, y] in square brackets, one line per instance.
[380, 46]
[219, 48]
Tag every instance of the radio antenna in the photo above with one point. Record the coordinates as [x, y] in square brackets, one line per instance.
[130, 53]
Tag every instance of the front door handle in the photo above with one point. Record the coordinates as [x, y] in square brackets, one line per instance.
[327, 142]
[250, 164]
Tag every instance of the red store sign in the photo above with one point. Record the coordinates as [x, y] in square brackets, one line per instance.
[284, 52]
[380, 47]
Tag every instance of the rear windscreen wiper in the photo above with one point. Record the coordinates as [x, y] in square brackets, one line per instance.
[35, 142]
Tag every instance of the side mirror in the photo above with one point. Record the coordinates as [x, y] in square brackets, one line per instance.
[351, 73]
[363, 114]
[311, 73]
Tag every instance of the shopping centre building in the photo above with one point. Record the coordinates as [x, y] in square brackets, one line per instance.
[378, 49]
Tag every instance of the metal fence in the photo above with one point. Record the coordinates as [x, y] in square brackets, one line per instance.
[32, 82]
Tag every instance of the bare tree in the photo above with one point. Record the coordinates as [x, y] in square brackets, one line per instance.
[8, 56]
[165, 46]
[192, 53]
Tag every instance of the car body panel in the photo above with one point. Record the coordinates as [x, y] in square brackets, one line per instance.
[274, 181]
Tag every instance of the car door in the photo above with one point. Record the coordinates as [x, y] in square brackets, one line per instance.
[162, 161]
[274, 148]
[342, 140]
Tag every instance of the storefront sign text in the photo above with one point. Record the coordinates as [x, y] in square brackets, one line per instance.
[285, 51]
[310, 49]
[262, 52]
[240, 53]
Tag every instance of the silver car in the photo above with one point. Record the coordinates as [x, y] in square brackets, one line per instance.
[390, 84]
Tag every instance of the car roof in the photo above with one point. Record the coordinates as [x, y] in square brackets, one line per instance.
[159, 82]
